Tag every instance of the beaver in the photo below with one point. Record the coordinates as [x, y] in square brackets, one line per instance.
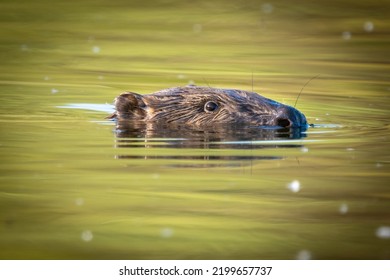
[202, 107]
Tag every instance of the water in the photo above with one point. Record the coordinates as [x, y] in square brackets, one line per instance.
[71, 187]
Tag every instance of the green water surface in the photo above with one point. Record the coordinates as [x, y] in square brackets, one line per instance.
[68, 191]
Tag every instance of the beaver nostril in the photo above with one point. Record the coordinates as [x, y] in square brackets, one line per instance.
[283, 122]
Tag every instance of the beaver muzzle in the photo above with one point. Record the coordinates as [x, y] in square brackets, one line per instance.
[288, 116]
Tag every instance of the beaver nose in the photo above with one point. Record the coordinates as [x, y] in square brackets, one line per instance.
[283, 122]
[290, 117]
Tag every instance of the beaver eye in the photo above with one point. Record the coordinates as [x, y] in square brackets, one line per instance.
[210, 106]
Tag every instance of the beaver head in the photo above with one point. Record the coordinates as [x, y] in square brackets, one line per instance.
[205, 107]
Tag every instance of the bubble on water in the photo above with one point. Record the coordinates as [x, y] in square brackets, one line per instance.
[79, 201]
[350, 149]
[197, 28]
[267, 8]
[86, 235]
[166, 233]
[303, 255]
[54, 90]
[343, 209]
[96, 49]
[24, 48]
[346, 35]
[294, 186]
[181, 76]
[156, 176]
[101, 77]
[368, 26]
[304, 149]
[46, 78]
[383, 232]
[378, 165]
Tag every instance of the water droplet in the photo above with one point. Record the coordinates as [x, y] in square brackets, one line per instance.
[24, 48]
[267, 8]
[294, 186]
[343, 209]
[79, 201]
[303, 255]
[96, 49]
[86, 235]
[54, 90]
[378, 165]
[197, 28]
[304, 149]
[383, 232]
[166, 232]
[368, 26]
[346, 35]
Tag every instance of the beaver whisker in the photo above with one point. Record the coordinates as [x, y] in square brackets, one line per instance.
[296, 101]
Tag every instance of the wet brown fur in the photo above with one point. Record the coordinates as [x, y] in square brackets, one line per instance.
[186, 105]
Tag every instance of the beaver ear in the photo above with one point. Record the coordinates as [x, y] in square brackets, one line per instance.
[130, 104]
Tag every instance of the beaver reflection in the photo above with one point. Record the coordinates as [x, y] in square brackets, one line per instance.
[133, 136]
[132, 130]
